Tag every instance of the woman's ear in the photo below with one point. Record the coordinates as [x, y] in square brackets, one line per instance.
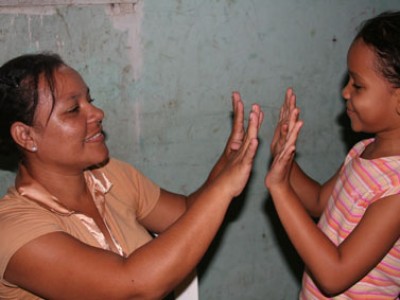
[23, 136]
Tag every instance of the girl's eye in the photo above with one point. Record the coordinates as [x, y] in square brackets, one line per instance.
[357, 86]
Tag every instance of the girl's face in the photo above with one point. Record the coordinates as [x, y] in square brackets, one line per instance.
[372, 102]
[70, 137]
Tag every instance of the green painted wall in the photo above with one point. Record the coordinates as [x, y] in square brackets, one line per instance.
[163, 71]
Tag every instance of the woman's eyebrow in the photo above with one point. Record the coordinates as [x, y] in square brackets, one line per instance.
[76, 95]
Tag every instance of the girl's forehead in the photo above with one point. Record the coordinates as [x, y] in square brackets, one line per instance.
[361, 56]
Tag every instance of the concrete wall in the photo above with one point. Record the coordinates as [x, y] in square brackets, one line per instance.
[163, 71]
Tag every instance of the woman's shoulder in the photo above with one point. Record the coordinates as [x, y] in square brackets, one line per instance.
[119, 171]
[15, 203]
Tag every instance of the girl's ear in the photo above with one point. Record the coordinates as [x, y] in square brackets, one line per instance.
[397, 95]
[22, 135]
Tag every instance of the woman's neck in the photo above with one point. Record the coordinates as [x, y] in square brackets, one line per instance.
[68, 186]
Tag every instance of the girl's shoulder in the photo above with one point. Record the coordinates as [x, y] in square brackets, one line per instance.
[358, 149]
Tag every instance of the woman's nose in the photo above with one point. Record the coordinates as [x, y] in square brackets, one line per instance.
[96, 114]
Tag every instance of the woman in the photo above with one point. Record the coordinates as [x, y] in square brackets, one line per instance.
[75, 226]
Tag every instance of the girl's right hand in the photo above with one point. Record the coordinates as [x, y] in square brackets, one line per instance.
[282, 127]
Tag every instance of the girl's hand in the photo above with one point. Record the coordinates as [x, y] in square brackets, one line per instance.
[279, 172]
[282, 126]
[237, 134]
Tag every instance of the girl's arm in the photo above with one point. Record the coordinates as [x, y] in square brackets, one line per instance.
[58, 266]
[312, 194]
[334, 268]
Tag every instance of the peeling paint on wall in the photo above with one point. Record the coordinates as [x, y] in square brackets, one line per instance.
[28, 10]
[128, 18]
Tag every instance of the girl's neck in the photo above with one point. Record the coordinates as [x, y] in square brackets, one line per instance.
[382, 146]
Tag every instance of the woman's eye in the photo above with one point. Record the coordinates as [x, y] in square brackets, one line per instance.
[357, 86]
[74, 109]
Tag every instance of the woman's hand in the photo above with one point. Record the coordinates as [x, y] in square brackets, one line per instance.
[240, 151]
[237, 134]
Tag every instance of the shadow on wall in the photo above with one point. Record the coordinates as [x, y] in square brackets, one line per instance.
[231, 216]
[292, 259]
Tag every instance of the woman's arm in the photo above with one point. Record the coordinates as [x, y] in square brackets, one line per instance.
[57, 266]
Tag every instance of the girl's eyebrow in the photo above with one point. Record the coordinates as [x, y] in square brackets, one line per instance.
[354, 74]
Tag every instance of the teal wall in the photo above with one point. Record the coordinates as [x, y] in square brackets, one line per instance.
[163, 71]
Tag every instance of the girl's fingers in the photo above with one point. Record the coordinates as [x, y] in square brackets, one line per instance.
[293, 134]
[292, 120]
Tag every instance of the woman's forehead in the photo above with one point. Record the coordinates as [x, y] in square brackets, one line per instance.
[66, 80]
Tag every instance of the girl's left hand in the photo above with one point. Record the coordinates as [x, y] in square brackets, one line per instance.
[282, 127]
[281, 165]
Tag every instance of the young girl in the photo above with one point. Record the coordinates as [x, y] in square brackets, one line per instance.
[354, 251]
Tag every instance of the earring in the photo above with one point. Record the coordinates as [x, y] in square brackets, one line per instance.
[34, 149]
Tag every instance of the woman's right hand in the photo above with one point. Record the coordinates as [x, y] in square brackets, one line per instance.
[237, 168]
[282, 127]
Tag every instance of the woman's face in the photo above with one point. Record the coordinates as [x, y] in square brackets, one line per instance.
[69, 138]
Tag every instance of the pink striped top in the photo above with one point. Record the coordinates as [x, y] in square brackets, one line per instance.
[361, 183]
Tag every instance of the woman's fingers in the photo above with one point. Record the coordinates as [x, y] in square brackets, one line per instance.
[251, 142]
[237, 134]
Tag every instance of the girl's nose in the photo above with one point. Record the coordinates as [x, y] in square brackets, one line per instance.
[346, 92]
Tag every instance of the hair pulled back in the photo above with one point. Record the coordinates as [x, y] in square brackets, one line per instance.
[383, 34]
[19, 95]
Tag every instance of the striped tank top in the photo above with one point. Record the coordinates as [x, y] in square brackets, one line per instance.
[361, 182]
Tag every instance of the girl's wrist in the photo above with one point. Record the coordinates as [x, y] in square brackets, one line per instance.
[280, 189]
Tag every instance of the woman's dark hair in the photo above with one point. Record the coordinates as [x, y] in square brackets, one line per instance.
[19, 95]
[383, 34]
